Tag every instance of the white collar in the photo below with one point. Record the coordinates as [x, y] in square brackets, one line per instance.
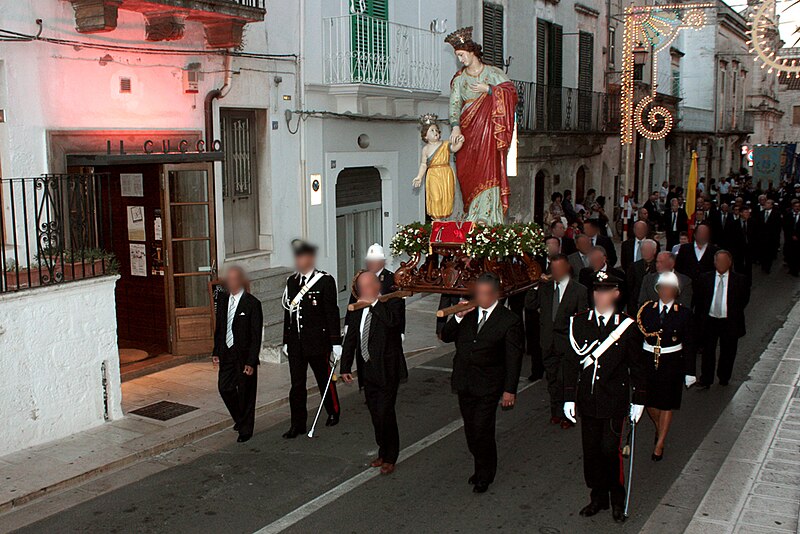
[489, 310]
[308, 275]
[236, 296]
[607, 316]
[604, 267]
[563, 283]
[661, 305]
[723, 275]
[698, 247]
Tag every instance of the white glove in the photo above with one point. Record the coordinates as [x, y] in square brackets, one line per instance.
[569, 411]
[337, 353]
[636, 412]
[285, 349]
[690, 381]
[402, 337]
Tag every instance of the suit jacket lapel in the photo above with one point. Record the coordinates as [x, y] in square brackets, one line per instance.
[489, 320]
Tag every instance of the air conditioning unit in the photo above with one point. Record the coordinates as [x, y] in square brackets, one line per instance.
[191, 81]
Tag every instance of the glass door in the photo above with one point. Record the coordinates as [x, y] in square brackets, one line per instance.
[190, 246]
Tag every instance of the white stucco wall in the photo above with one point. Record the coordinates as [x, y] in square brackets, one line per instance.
[53, 343]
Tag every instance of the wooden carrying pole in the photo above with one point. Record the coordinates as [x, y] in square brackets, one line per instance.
[383, 298]
[457, 308]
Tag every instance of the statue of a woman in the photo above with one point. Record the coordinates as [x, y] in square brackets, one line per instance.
[482, 105]
[440, 182]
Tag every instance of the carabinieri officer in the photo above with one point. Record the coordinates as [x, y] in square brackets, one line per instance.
[670, 353]
[311, 333]
[602, 365]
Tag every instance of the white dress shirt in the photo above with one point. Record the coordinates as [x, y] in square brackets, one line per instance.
[562, 287]
[699, 251]
[364, 317]
[490, 309]
[661, 305]
[607, 316]
[233, 303]
[723, 296]
[636, 246]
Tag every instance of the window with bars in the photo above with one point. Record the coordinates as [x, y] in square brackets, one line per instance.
[493, 34]
[370, 41]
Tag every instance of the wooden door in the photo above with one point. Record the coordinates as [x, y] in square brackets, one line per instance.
[190, 252]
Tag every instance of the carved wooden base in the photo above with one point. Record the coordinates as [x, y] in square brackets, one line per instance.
[449, 270]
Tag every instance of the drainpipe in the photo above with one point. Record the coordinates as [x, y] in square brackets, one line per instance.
[214, 94]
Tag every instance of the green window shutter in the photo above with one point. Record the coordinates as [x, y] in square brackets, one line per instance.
[541, 72]
[493, 34]
[554, 78]
[585, 79]
[370, 46]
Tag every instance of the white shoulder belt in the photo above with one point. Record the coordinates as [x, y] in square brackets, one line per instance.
[593, 351]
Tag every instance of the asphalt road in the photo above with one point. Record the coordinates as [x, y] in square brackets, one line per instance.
[221, 486]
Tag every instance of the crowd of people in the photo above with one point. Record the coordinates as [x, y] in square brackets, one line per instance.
[615, 331]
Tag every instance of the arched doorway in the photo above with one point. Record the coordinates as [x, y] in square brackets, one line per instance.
[580, 184]
[538, 197]
[358, 222]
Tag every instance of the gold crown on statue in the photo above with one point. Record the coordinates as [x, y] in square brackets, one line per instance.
[459, 37]
[428, 118]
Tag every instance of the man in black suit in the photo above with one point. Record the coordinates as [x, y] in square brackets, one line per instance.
[636, 272]
[675, 221]
[696, 258]
[720, 223]
[599, 262]
[665, 263]
[791, 246]
[486, 370]
[566, 244]
[742, 242]
[605, 380]
[375, 262]
[769, 235]
[374, 339]
[556, 299]
[721, 297]
[592, 229]
[652, 207]
[631, 249]
[237, 344]
[311, 333]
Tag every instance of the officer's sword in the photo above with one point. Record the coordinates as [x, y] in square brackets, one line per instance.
[630, 467]
[322, 400]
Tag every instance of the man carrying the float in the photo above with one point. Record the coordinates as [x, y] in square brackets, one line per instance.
[311, 333]
[604, 361]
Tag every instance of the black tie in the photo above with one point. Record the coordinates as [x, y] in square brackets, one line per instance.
[302, 281]
[602, 321]
[663, 315]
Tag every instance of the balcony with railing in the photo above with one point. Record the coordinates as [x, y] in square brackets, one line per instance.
[361, 49]
[224, 20]
[543, 108]
[54, 228]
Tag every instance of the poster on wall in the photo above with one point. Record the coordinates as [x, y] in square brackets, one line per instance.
[138, 259]
[131, 185]
[767, 164]
[157, 226]
[136, 223]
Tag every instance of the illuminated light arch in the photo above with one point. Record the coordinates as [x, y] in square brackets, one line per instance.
[761, 22]
[655, 27]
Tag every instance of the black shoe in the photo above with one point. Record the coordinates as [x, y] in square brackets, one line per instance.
[293, 433]
[480, 487]
[618, 513]
[703, 385]
[723, 382]
[592, 509]
[236, 427]
[333, 420]
[657, 457]
[243, 437]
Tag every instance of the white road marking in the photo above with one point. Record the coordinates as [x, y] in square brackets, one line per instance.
[354, 482]
[434, 368]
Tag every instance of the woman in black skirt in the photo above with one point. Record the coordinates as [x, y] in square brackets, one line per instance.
[670, 349]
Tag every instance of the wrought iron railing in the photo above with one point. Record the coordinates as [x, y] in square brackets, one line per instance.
[54, 228]
[246, 3]
[543, 108]
[361, 49]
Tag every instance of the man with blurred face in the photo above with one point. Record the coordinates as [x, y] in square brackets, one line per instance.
[722, 296]
[580, 258]
[603, 372]
[696, 258]
[631, 249]
[665, 263]
[237, 344]
[556, 300]
[634, 275]
[598, 262]
[486, 367]
[374, 339]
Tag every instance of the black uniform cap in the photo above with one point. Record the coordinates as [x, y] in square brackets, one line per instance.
[303, 248]
[604, 281]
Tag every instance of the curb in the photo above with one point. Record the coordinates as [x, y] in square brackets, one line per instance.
[420, 357]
